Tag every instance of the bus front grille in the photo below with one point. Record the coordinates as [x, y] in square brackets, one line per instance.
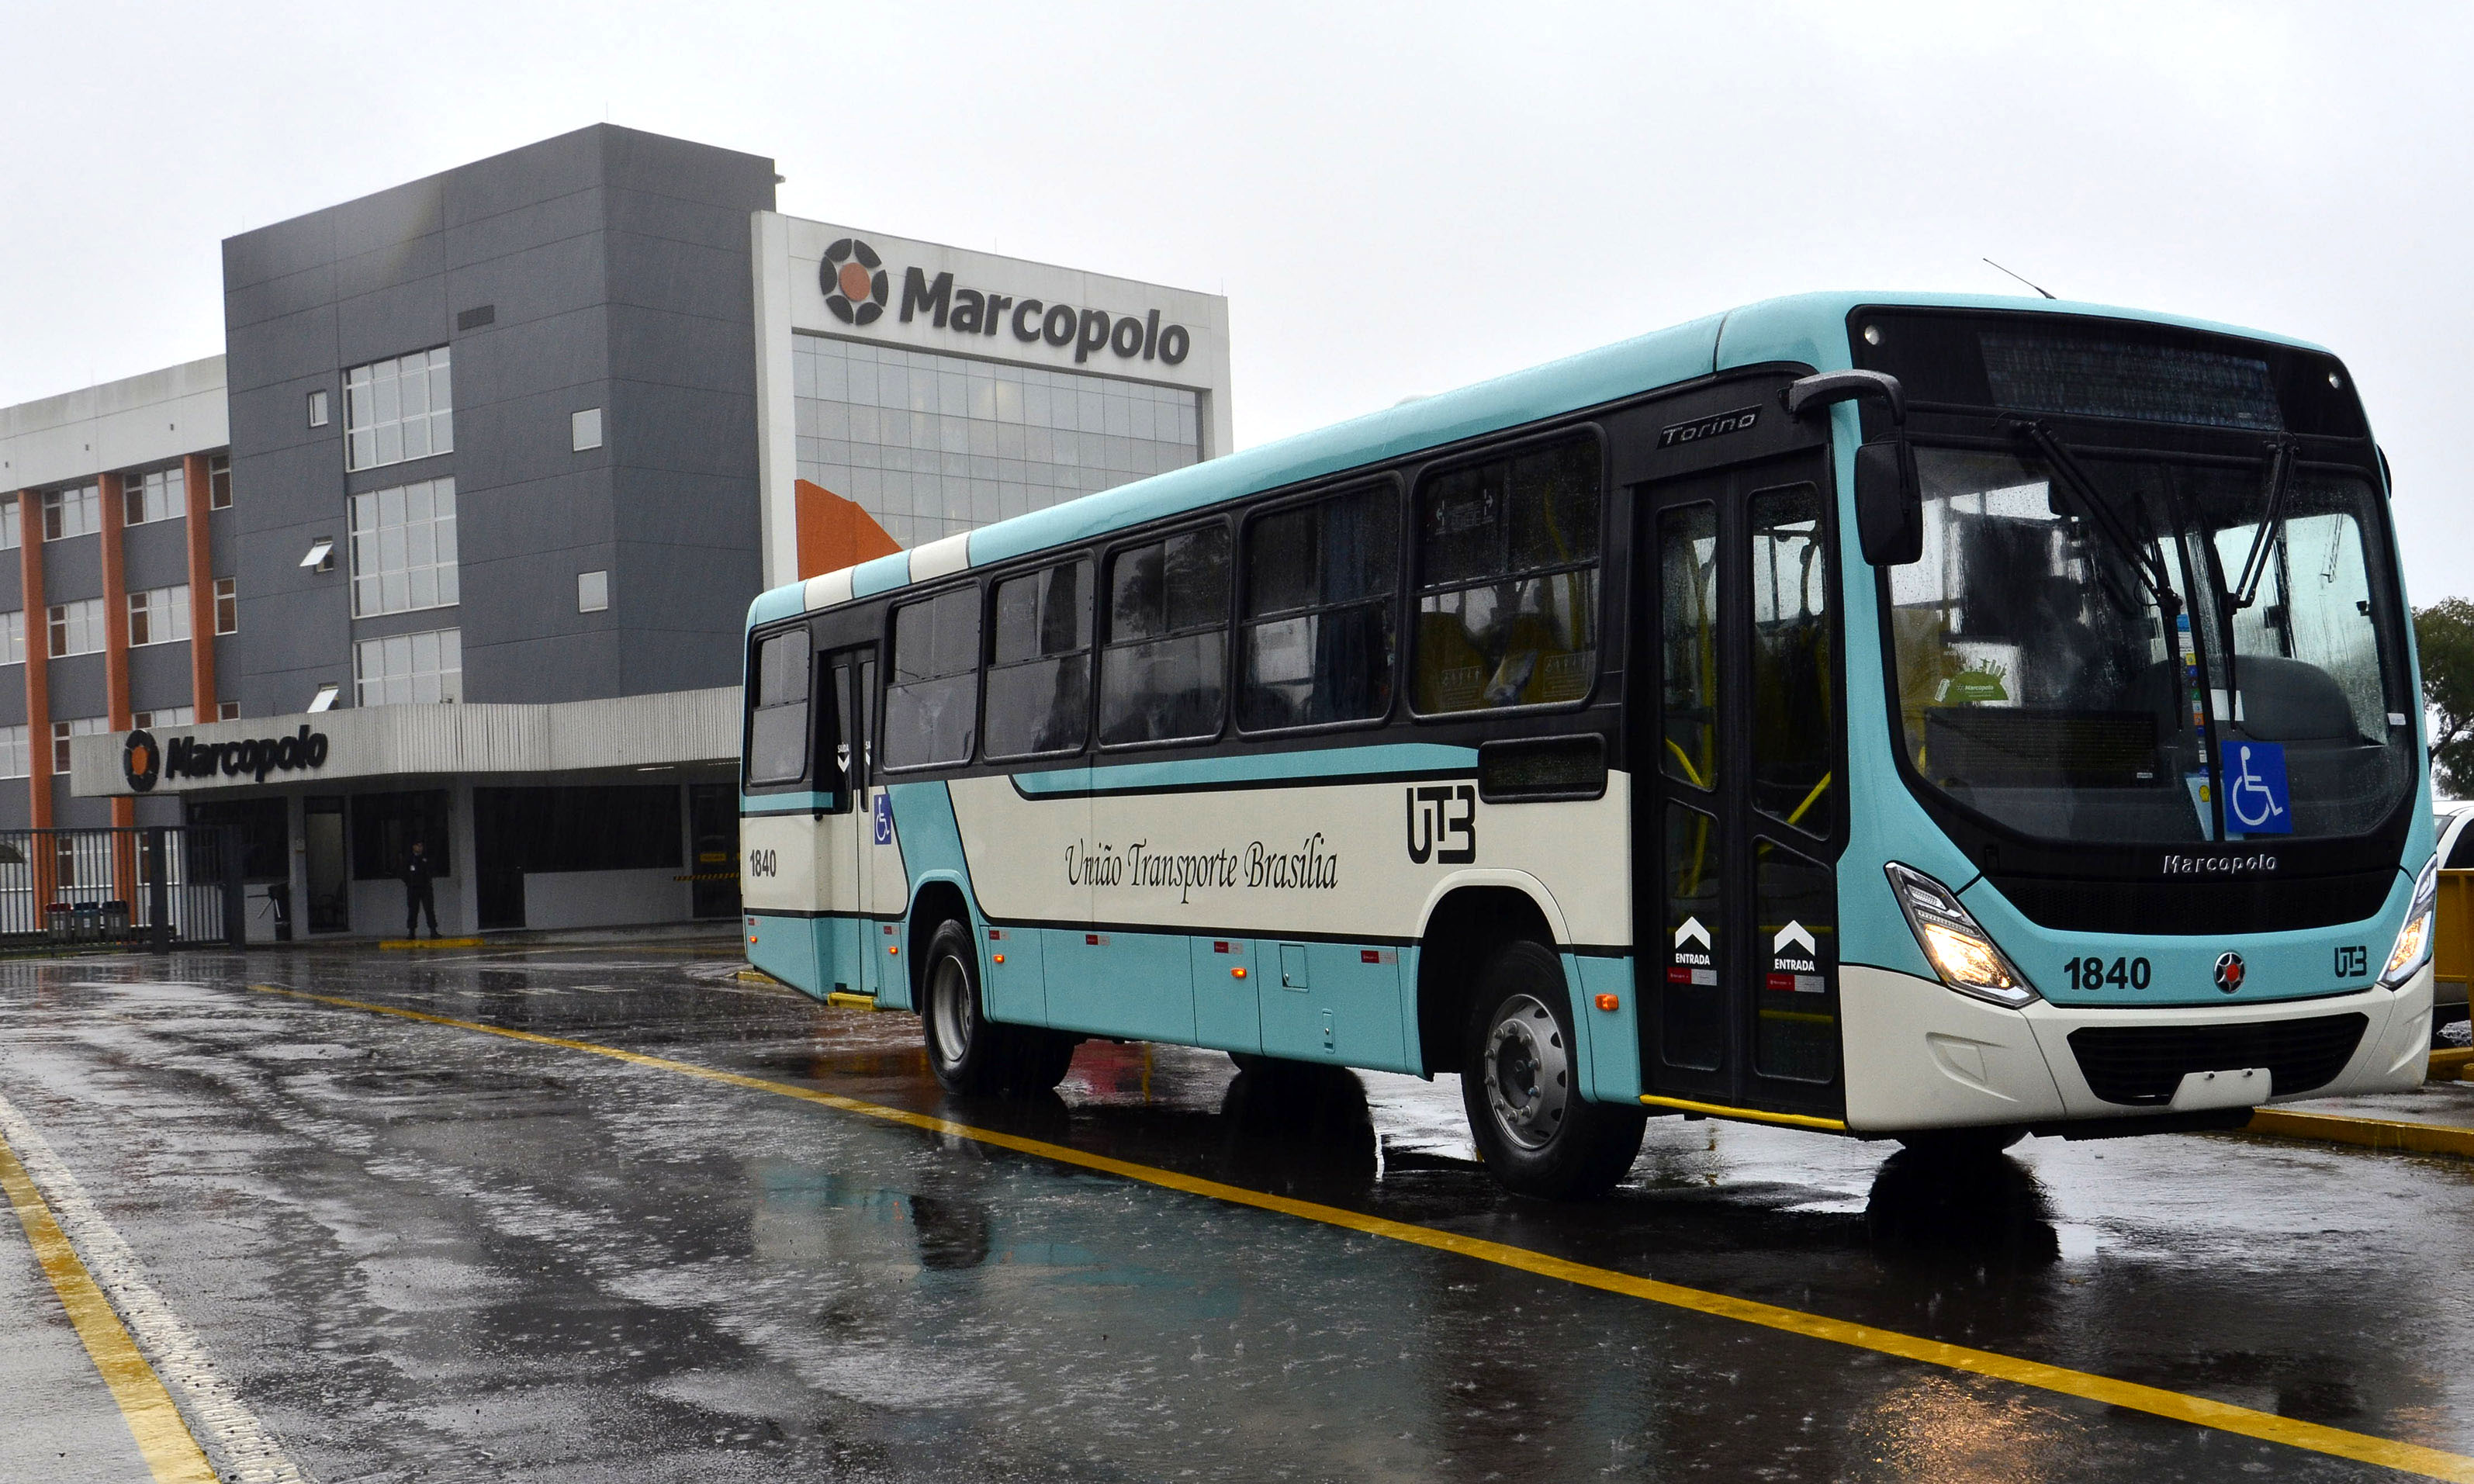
[2199, 907]
[2141, 1065]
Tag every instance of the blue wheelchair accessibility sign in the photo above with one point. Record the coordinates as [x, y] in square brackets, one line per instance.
[2256, 800]
[884, 805]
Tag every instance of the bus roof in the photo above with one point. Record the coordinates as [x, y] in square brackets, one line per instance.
[1807, 328]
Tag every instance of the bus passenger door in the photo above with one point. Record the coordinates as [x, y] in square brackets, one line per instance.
[1736, 803]
[847, 856]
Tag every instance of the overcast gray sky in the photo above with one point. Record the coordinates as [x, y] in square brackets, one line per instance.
[1395, 199]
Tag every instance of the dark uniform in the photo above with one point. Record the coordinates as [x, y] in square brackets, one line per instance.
[419, 871]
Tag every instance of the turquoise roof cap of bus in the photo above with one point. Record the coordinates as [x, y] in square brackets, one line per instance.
[1807, 328]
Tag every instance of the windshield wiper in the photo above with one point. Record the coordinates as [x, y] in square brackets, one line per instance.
[2280, 477]
[2144, 559]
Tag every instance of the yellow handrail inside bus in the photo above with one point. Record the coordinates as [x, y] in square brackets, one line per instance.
[1797, 817]
[1692, 775]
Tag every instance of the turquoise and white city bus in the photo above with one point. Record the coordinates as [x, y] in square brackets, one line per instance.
[1938, 719]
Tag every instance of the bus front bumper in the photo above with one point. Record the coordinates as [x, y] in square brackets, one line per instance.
[1920, 1056]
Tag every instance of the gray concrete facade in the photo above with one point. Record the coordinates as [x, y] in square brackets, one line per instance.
[602, 269]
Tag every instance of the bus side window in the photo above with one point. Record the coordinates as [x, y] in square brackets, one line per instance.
[1161, 677]
[777, 728]
[1039, 668]
[1794, 732]
[1507, 574]
[1321, 633]
[932, 698]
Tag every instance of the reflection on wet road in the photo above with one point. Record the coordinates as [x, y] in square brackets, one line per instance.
[423, 1252]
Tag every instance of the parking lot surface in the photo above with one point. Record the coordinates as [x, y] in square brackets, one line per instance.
[687, 1225]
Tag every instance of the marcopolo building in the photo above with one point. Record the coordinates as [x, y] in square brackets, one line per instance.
[455, 542]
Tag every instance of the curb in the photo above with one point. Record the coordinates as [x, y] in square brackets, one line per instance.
[424, 944]
[2418, 1138]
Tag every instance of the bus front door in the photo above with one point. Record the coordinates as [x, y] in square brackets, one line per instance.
[1737, 812]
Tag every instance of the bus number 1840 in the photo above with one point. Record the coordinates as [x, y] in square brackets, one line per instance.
[2097, 974]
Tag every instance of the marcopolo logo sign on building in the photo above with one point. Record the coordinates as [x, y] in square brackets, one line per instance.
[856, 284]
[145, 762]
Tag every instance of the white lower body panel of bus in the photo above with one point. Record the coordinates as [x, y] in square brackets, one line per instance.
[1920, 1056]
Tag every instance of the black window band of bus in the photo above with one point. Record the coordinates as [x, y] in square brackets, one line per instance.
[1046, 561]
[1413, 571]
[1104, 638]
[1240, 579]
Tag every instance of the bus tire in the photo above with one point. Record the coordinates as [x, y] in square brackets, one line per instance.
[969, 1053]
[1520, 1086]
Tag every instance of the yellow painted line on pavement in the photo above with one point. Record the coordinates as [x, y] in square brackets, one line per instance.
[2417, 1138]
[2177, 1406]
[163, 1437]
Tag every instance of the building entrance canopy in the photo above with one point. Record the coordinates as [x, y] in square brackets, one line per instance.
[376, 741]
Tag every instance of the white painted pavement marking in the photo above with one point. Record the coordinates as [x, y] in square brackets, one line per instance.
[244, 1451]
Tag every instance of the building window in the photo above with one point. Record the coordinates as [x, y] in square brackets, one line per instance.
[409, 668]
[77, 628]
[165, 716]
[584, 429]
[73, 512]
[159, 616]
[398, 409]
[12, 528]
[324, 699]
[226, 607]
[219, 483]
[13, 637]
[157, 494]
[17, 754]
[227, 711]
[403, 548]
[592, 592]
[384, 826]
[318, 408]
[930, 445]
[63, 731]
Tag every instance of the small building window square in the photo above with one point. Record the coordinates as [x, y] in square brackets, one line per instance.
[592, 592]
[585, 427]
[318, 408]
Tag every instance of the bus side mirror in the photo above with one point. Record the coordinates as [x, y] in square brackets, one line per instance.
[1889, 503]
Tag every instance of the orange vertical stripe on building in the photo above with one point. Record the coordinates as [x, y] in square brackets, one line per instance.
[115, 678]
[38, 681]
[196, 478]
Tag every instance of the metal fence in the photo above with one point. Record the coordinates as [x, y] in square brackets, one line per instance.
[154, 887]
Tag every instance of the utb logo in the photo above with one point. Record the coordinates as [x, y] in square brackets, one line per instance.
[853, 281]
[141, 762]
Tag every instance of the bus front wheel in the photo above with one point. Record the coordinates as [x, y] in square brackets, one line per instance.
[1520, 1086]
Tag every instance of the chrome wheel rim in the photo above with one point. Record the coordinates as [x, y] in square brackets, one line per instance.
[1528, 1072]
[949, 1004]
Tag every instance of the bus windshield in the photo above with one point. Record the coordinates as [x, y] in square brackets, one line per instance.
[2068, 680]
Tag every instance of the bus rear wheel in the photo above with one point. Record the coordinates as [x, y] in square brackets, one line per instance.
[970, 1054]
[1520, 1086]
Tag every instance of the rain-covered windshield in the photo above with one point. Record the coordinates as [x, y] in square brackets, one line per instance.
[2044, 680]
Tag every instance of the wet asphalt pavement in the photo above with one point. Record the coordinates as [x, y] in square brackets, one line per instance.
[423, 1252]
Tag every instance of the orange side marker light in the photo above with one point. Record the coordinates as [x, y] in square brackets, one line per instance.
[999, 957]
[1610, 1001]
[1237, 973]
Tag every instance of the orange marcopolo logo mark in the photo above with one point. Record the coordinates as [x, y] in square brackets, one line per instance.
[855, 282]
[141, 762]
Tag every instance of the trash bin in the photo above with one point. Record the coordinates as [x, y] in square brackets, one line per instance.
[86, 921]
[58, 922]
[114, 922]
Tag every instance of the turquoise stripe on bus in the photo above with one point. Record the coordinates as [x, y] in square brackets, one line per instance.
[804, 802]
[882, 575]
[932, 851]
[786, 948]
[1337, 762]
[777, 603]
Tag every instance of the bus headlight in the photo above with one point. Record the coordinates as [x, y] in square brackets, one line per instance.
[1964, 954]
[2413, 948]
